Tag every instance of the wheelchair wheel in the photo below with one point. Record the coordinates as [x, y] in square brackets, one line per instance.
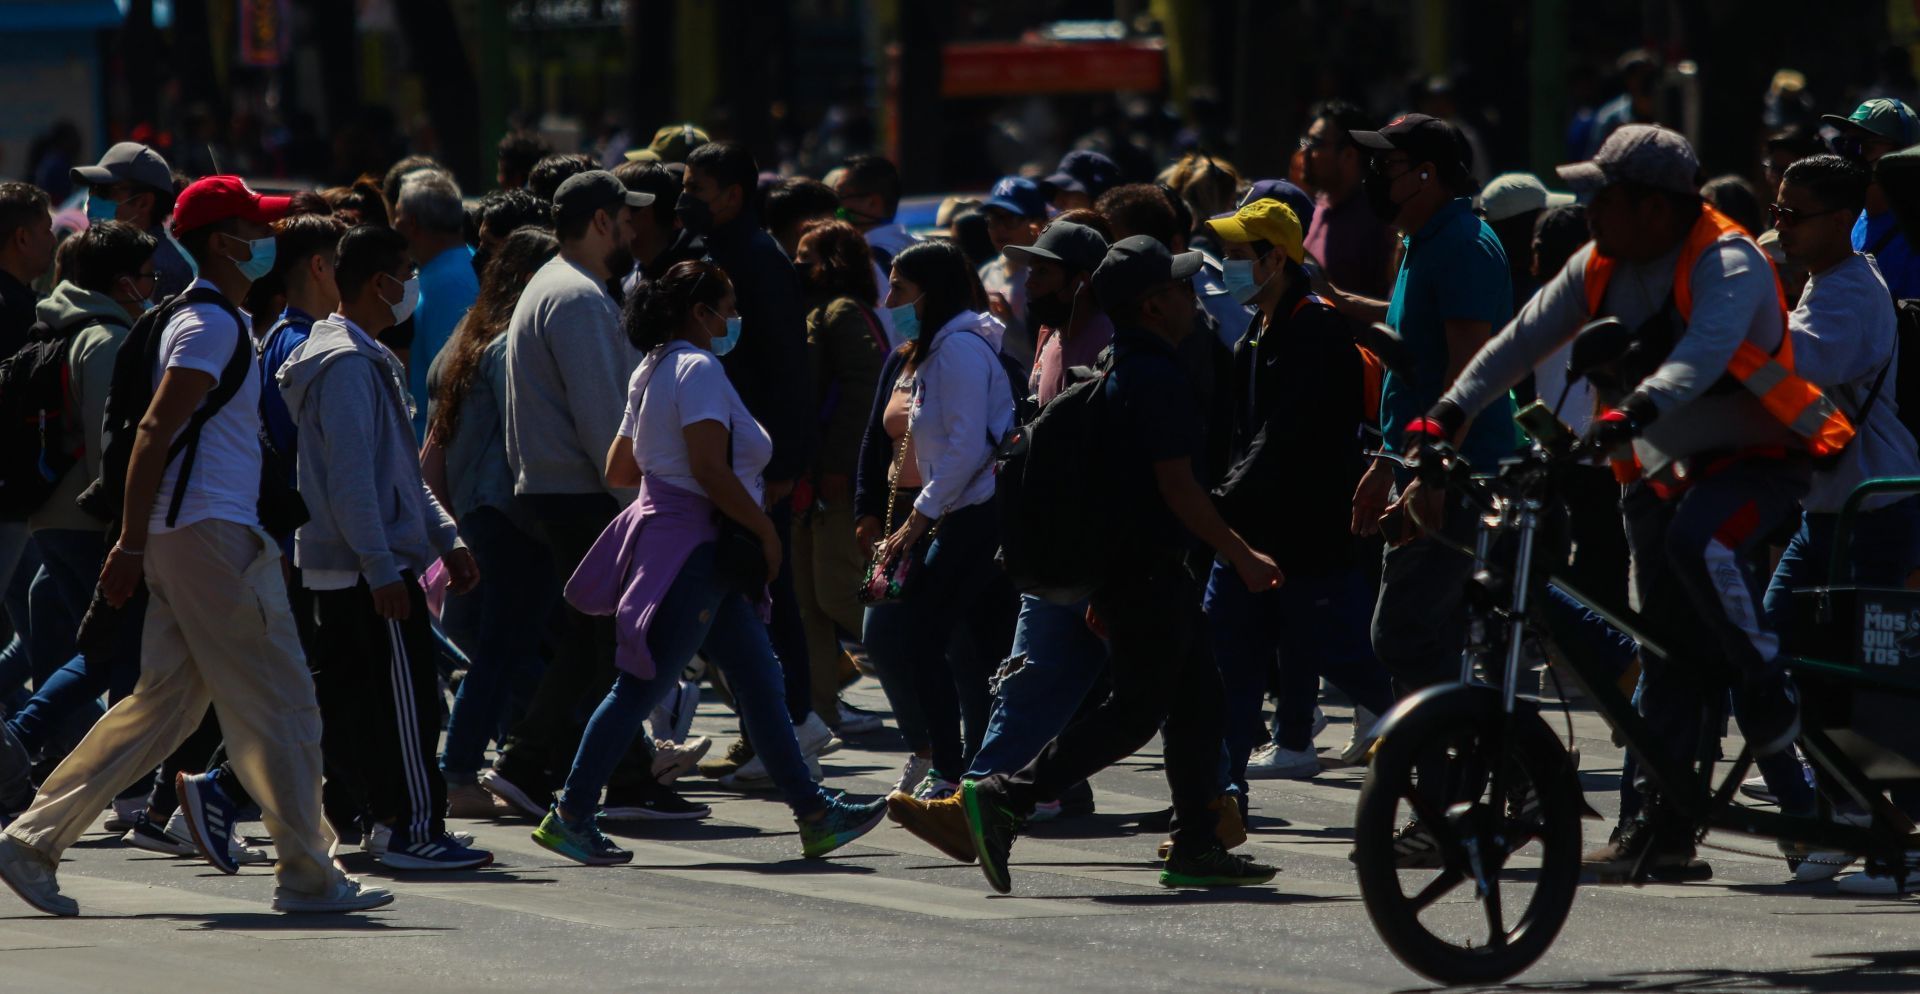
[1464, 886]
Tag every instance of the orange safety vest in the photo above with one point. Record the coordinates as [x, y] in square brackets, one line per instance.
[1792, 400]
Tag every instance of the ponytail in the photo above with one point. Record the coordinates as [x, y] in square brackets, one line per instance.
[659, 309]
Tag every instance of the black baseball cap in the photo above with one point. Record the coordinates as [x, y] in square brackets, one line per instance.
[1075, 246]
[1082, 171]
[1424, 139]
[1137, 266]
[596, 189]
[129, 162]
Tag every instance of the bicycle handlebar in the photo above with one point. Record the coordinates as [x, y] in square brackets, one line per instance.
[1841, 556]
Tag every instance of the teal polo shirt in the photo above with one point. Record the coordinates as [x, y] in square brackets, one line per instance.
[1453, 269]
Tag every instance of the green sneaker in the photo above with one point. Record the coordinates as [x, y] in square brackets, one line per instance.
[582, 843]
[844, 822]
[992, 826]
[1214, 866]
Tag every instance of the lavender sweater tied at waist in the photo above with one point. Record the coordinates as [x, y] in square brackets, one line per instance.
[635, 561]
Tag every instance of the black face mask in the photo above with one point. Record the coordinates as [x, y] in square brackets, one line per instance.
[1379, 191]
[694, 214]
[1053, 311]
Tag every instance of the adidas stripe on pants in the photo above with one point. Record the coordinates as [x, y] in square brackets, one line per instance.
[380, 705]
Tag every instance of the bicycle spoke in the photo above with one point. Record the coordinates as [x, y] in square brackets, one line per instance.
[1438, 888]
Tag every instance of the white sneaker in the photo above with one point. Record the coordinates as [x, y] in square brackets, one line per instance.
[348, 895]
[125, 811]
[1270, 762]
[1871, 884]
[672, 719]
[911, 774]
[1365, 723]
[933, 788]
[856, 721]
[671, 760]
[1826, 864]
[814, 736]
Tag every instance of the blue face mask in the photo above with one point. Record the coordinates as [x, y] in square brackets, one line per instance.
[101, 209]
[725, 343]
[906, 321]
[262, 261]
[1237, 276]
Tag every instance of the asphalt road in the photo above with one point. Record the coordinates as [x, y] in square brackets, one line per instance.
[729, 905]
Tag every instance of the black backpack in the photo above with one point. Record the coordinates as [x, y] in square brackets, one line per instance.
[131, 393]
[1906, 364]
[1057, 527]
[35, 391]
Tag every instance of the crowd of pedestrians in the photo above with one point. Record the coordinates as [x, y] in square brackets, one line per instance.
[320, 477]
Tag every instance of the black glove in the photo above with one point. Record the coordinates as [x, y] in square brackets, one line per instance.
[1621, 425]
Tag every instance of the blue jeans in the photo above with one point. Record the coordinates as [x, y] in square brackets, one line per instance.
[697, 615]
[1056, 660]
[937, 647]
[1886, 547]
[1316, 626]
[499, 626]
[19, 563]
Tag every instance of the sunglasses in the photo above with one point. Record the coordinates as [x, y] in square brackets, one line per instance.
[1784, 217]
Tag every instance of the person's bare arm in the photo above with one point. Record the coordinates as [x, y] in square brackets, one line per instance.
[622, 469]
[707, 459]
[179, 395]
[433, 469]
[1195, 511]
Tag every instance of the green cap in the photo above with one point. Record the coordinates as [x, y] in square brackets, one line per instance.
[1884, 118]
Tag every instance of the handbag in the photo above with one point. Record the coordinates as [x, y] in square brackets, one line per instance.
[889, 578]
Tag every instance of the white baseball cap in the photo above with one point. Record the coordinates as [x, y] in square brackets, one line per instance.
[1514, 194]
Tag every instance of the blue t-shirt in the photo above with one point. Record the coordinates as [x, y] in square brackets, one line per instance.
[1898, 262]
[1453, 270]
[448, 287]
[290, 329]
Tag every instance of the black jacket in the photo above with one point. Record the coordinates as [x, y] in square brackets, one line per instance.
[17, 302]
[768, 367]
[870, 484]
[1296, 398]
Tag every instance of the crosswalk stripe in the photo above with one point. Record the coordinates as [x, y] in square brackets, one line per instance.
[625, 910]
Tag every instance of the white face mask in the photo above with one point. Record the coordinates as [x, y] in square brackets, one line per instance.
[409, 299]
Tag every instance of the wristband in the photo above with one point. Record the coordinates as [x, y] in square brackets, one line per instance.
[123, 550]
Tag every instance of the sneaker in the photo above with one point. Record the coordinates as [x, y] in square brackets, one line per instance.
[1214, 866]
[736, 756]
[1229, 828]
[673, 759]
[443, 853]
[656, 802]
[125, 811]
[672, 719]
[374, 841]
[858, 721]
[1319, 724]
[1077, 800]
[1043, 812]
[1669, 856]
[1876, 881]
[248, 855]
[1272, 762]
[166, 841]
[582, 843]
[934, 787]
[348, 895]
[210, 816]
[31, 875]
[1756, 788]
[1812, 865]
[941, 824]
[992, 825]
[1769, 711]
[1365, 733]
[915, 770]
[814, 736]
[470, 801]
[520, 800]
[843, 822]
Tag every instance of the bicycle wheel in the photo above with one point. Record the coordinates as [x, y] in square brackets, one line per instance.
[1474, 887]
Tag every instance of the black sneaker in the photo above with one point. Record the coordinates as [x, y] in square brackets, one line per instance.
[992, 824]
[1669, 855]
[1214, 866]
[1769, 712]
[654, 802]
[1415, 848]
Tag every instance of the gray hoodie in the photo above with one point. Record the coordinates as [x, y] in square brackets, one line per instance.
[100, 325]
[358, 472]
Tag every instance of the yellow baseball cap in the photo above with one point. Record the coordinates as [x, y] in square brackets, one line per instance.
[1266, 220]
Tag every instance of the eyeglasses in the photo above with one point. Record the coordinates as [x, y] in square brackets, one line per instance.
[1785, 217]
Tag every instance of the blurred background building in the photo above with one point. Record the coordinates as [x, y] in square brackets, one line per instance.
[958, 91]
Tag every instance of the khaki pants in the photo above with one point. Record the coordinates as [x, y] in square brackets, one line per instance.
[826, 577]
[219, 630]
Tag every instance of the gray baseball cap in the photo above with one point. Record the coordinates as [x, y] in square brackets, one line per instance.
[1075, 246]
[593, 190]
[1646, 154]
[129, 162]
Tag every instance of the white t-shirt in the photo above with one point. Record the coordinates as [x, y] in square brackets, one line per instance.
[690, 387]
[225, 483]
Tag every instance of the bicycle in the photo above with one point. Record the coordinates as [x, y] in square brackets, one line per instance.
[1495, 788]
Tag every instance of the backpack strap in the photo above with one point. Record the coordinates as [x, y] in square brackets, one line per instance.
[232, 377]
[1880, 244]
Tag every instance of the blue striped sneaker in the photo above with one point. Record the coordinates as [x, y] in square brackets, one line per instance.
[843, 822]
[210, 817]
[443, 853]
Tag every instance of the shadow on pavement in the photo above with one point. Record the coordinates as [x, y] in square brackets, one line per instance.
[1859, 973]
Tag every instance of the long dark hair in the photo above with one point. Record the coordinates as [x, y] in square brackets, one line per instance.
[948, 285]
[506, 275]
[842, 262]
[658, 309]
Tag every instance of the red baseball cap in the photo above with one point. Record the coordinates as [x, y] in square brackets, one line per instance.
[216, 198]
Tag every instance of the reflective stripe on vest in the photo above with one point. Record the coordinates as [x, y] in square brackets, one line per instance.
[1792, 400]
